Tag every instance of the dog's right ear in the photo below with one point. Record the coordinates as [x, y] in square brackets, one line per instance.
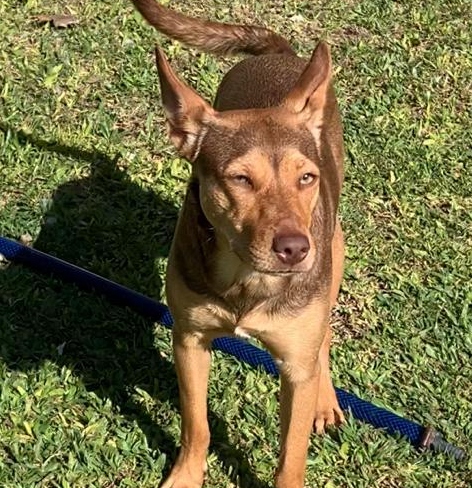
[308, 97]
[188, 115]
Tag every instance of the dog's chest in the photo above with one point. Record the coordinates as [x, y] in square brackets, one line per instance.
[219, 320]
[243, 310]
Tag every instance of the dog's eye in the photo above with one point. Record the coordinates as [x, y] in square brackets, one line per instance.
[307, 179]
[242, 180]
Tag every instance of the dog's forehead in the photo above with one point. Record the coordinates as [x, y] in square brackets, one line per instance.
[224, 144]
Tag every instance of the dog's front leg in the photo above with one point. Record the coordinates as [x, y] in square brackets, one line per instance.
[298, 398]
[295, 342]
[192, 362]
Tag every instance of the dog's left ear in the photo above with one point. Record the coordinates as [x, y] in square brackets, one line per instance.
[309, 95]
[187, 113]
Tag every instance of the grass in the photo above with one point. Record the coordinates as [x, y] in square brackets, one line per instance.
[88, 396]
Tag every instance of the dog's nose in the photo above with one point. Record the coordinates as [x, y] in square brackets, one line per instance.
[291, 249]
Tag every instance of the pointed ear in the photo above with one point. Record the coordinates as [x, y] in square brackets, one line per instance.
[308, 97]
[187, 113]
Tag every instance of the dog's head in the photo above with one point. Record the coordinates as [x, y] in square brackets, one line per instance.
[258, 170]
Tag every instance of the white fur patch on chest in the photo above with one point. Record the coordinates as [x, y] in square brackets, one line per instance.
[240, 332]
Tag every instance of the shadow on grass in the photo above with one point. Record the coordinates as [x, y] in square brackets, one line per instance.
[109, 225]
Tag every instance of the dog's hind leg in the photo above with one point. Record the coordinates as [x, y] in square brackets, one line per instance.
[328, 411]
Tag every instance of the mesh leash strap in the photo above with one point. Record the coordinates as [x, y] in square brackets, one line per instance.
[419, 436]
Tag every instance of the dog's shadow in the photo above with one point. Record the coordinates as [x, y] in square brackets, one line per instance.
[109, 224]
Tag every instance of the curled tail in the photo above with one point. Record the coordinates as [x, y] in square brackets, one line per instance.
[212, 37]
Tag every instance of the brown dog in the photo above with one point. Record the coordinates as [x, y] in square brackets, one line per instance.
[258, 249]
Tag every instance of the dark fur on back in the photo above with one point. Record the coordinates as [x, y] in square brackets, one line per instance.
[279, 72]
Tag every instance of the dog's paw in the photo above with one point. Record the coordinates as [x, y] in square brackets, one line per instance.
[328, 417]
[185, 476]
[182, 480]
[328, 412]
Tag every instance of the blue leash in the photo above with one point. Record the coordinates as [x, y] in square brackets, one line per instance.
[418, 435]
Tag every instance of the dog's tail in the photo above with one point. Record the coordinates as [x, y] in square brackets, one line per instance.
[212, 37]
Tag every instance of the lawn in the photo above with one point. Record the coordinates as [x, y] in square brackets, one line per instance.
[88, 394]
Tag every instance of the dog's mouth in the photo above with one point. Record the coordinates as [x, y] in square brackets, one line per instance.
[282, 272]
[270, 269]
[266, 262]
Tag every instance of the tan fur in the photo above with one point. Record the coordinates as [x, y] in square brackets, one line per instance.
[258, 250]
